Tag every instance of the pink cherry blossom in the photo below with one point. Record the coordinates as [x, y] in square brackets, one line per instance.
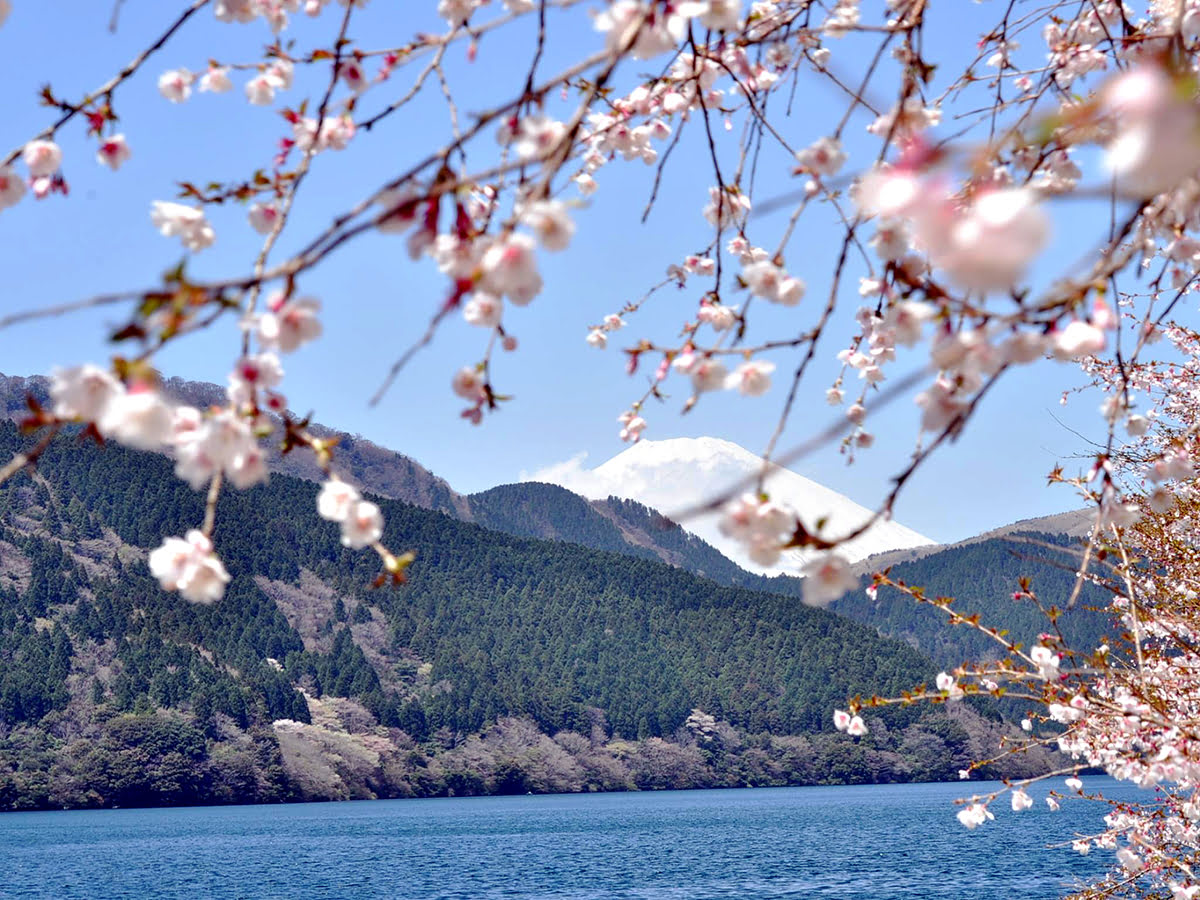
[708, 375]
[856, 727]
[43, 158]
[260, 90]
[752, 379]
[468, 383]
[187, 223]
[363, 525]
[632, 426]
[550, 222]
[1156, 143]
[83, 392]
[113, 152]
[974, 815]
[216, 80]
[1077, 339]
[510, 269]
[176, 85]
[824, 157]
[290, 324]
[826, 579]
[483, 310]
[336, 500]
[12, 187]
[139, 418]
[263, 217]
[188, 565]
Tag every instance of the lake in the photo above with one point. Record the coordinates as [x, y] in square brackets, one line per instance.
[878, 842]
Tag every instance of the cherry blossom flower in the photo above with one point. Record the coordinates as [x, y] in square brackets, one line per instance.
[188, 565]
[904, 320]
[187, 223]
[1021, 800]
[708, 375]
[719, 15]
[468, 383]
[826, 579]
[83, 392]
[824, 157]
[597, 338]
[263, 217]
[336, 500]
[216, 80]
[509, 268]
[1130, 860]
[352, 73]
[752, 379]
[726, 207]
[856, 727]
[260, 90]
[251, 374]
[841, 719]
[483, 310]
[992, 243]
[363, 525]
[974, 815]
[1156, 144]
[760, 525]
[176, 85]
[113, 152]
[12, 187]
[221, 442]
[456, 12]
[767, 280]
[1078, 339]
[138, 418]
[632, 426]
[236, 10]
[43, 158]
[718, 315]
[949, 685]
[629, 22]
[1047, 662]
[550, 222]
[290, 324]
[941, 404]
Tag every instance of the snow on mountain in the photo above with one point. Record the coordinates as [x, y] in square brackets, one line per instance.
[672, 475]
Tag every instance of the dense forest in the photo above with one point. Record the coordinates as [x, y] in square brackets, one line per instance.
[506, 663]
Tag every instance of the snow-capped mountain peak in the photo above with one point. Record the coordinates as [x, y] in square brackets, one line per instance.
[679, 473]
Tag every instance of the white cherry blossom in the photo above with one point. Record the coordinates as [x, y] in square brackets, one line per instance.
[188, 565]
[187, 223]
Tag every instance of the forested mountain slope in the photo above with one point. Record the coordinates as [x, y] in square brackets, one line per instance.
[112, 691]
[982, 577]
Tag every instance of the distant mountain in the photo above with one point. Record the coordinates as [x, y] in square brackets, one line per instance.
[362, 462]
[675, 474]
[527, 509]
[983, 576]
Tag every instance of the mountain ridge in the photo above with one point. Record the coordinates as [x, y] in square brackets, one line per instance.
[684, 472]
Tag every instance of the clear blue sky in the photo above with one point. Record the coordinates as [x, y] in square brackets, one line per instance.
[377, 301]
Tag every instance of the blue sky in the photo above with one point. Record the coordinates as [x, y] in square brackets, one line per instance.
[376, 301]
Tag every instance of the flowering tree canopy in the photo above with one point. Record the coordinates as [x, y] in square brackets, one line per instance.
[944, 174]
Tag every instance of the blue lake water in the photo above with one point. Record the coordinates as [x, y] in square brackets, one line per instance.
[878, 842]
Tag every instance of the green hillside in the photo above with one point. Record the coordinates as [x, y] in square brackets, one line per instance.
[982, 578]
[114, 692]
